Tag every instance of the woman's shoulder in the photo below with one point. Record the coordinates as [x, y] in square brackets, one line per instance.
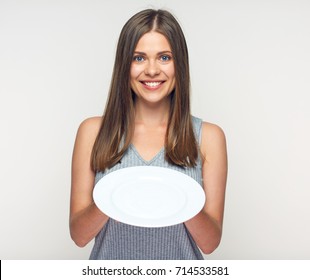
[89, 128]
[91, 123]
[213, 137]
[212, 130]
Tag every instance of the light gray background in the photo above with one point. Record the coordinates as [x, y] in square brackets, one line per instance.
[250, 75]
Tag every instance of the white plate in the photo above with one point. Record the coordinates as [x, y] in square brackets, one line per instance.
[149, 196]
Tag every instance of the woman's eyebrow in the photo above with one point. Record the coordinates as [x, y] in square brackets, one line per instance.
[161, 52]
[165, 52]
[142, 53]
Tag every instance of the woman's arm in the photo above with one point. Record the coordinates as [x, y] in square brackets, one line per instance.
[206, 226]
[86, 220]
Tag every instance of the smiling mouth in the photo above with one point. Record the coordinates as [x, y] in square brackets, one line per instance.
[152, 84]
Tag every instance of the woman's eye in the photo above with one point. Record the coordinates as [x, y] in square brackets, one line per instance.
[165, 57]
[138, 58]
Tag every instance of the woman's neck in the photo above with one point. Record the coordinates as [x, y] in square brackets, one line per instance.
[152, 114]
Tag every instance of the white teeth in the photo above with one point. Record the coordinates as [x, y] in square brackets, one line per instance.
[152, 84]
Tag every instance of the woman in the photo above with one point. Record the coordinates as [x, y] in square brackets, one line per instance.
[147, 121]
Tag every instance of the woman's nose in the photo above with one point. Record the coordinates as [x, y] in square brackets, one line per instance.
[152, 68]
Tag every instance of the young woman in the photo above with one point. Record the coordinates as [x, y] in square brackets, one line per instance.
[147, 121]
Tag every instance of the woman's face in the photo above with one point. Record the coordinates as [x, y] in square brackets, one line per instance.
[152, 75]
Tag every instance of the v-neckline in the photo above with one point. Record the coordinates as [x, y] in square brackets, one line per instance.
[147, 162]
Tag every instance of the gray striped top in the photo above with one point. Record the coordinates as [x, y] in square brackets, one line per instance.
[119, 241]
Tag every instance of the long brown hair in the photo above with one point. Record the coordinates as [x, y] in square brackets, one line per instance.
[117, 125]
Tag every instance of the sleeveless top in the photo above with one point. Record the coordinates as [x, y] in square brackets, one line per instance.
[119, 241]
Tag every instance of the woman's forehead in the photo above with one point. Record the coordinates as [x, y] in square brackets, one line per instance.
[153, 41]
